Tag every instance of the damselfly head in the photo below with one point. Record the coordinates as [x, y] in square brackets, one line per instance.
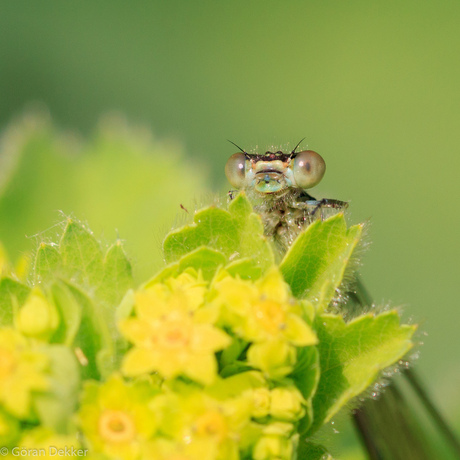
[275, 172]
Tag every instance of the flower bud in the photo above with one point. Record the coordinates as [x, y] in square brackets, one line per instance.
[287, 404]
[38, 317]
[272, 446]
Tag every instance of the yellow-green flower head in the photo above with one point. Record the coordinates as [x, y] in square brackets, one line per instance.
[275, 358]
[44, 443]
[172, 334]
[277, 442]
[115, 417]
[23, 371]
[200, 423]
[263, 310]
[274, 447]
[184, 293]
[37, 318]
[250, 384]
[287, 403]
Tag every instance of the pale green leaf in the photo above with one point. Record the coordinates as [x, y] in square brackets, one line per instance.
[203, 259]
[69, 311]
[315, 264]
[306, 377]
[352, 355]
[94, 334]
[12, 295]
[236, 233]
[248, 268]
[311, 451]
[81, 254]
[47, 262]
[118, 277]
[212, 227]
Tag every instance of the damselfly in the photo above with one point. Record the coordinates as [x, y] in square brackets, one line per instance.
[277, 183]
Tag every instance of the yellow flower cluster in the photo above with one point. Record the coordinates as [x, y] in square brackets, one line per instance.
[22, 372]
[264, 313]
[175, 330]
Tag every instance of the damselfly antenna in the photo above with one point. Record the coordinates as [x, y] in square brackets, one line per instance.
[237, 146]
[295, 148]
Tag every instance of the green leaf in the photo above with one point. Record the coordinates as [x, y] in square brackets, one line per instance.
[306, 376]
[315, 263]
[47, 262]
[69, 311]
[212, 227]
[352, 355]
[230, 355]
[252, 242]
[118, 277]
[170, 270]
[202, 259]
[126, 306]
[94, 334]
[81, 254]
[311, 451]
[248, 268]
[12, 295]
[236, 233]
[236, 368]
[205, 259]
[56, 407]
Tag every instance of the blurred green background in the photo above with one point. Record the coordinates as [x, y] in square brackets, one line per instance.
[374, 87]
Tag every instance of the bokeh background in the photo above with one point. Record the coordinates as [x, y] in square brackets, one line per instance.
[374, 87]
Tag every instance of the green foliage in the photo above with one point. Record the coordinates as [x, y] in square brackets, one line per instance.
[12, 295]
[221, 339]
[121, 177]
[352, 355]
[315, 263]
[311, 451]
[236, 233]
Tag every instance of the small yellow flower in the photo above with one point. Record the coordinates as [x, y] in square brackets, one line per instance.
[200, 423]
[185, 293]
[287, 403]
[263, 310]
[171, 334]
[115, 417]
[277, 442]
[275, 358]
[22, 372]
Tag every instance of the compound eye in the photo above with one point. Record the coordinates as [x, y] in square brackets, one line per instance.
[309, 169]
[235, 170]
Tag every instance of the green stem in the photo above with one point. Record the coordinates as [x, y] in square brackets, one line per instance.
[438, 419]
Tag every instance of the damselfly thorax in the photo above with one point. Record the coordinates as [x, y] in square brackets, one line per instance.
[276, 183]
